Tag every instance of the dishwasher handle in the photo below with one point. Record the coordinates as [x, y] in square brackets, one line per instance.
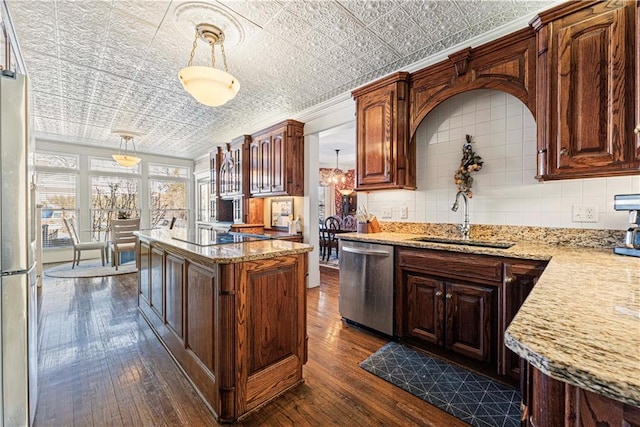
[365, 251]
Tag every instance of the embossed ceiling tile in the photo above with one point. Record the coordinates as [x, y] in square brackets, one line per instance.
[75, 110]
[129, 32]
[435, 16]
[337, 56]
[365, 43]
[287, 26]
[81, 48]
[369, 11]
[410, 43]
[116, 62]
[51, 126]
[339, 25]
[152, 12]
[312, 11]
[259, 12]
[89, 17]
[381, 56]
[355, 67]
[476, 9]
[314, 42]
[47, 105]
[393, 25]
[73, 129]
[101, 114]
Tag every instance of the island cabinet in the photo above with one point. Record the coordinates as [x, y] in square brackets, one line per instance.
[459, 305]
[520, 277]
[550, 402]
[586, 82]
[385, 154]
[237, 330]
[276, 159]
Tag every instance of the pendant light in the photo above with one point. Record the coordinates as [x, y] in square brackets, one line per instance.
[124, 158]
[337, 176]
[209, 85]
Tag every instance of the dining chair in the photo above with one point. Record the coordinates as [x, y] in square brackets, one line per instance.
[332, 225]
[79, 246]
[122, 238]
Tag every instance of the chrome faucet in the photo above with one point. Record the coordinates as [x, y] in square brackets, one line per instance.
[465, 227]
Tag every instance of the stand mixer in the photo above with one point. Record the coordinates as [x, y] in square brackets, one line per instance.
[631, 203]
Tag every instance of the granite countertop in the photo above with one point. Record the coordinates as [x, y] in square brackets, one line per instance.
[581, 322]
[225, 253]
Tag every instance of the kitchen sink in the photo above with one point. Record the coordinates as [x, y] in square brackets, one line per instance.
[482, 243]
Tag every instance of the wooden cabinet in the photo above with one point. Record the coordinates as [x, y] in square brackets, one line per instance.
[174, 293]
[458, 316]
[144, 281]
[460, 304]
[385, 154]
[219, 209]
[277, 160]
[234, 169]
[237, 330]
[438, 303]
[556, 403]
[519, 278]
[586, 79]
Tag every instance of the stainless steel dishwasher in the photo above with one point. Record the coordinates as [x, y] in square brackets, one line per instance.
[366, 284]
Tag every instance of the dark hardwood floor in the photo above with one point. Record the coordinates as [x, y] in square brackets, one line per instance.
[100, 365]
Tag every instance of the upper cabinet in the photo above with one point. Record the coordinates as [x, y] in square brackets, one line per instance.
[586, 81]
[385, 154]
[276, 160]
[233, 169]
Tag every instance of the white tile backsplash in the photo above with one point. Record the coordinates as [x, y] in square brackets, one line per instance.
[505, 190]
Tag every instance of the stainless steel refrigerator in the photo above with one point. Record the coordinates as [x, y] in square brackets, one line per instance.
[18, 299]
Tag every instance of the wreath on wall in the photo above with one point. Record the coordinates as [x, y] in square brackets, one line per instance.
[469, 163]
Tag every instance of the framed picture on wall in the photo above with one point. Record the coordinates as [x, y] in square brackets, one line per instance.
[281, 211]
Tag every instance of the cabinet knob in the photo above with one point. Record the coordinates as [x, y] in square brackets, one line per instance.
[509, 279]
[564, 152]
[637, 130]
[439, 293]
[448, 296]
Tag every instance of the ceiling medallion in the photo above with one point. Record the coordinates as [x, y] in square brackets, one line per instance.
[187, 16]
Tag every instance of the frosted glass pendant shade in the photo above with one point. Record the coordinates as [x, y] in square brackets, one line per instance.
[126, 161]
[209, 86]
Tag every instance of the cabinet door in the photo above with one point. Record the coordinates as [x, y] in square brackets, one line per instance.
[425, 309]
[519, 280]
[471, 318]
[375, 137]
[201, 314]
[157, 287]
[226, 175]
[264, 168]
[255, 174]
[277, 163]
[236, 175]
[175, 294]
[144, 281]
[590, 80]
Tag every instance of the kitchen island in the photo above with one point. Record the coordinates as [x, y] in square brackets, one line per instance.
[578, 331]
[232, 315]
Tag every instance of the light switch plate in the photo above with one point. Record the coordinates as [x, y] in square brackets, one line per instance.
[386, 212]
[404, 212]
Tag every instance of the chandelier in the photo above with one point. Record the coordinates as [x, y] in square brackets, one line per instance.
[124, 158]
[338, 177]
[209, 85]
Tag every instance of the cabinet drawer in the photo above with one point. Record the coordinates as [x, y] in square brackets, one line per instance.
[451, 264]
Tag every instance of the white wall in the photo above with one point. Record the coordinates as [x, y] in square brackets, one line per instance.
[505, 191]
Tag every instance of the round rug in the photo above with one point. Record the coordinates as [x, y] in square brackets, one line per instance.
[89, 268]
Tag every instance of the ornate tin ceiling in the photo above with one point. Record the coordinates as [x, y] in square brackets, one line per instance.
[98, 65]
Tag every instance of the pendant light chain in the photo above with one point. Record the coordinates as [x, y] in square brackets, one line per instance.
[224, 57]
[213, 55]
[193, 49]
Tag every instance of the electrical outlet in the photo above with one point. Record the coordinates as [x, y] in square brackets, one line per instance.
[386, 212]
[585, 213]
[404, 212]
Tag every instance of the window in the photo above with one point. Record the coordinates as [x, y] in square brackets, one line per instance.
[168, 195]
[56, 192]
[112, 197]
[203, 200]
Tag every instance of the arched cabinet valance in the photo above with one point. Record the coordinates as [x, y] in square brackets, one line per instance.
[507, 64]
